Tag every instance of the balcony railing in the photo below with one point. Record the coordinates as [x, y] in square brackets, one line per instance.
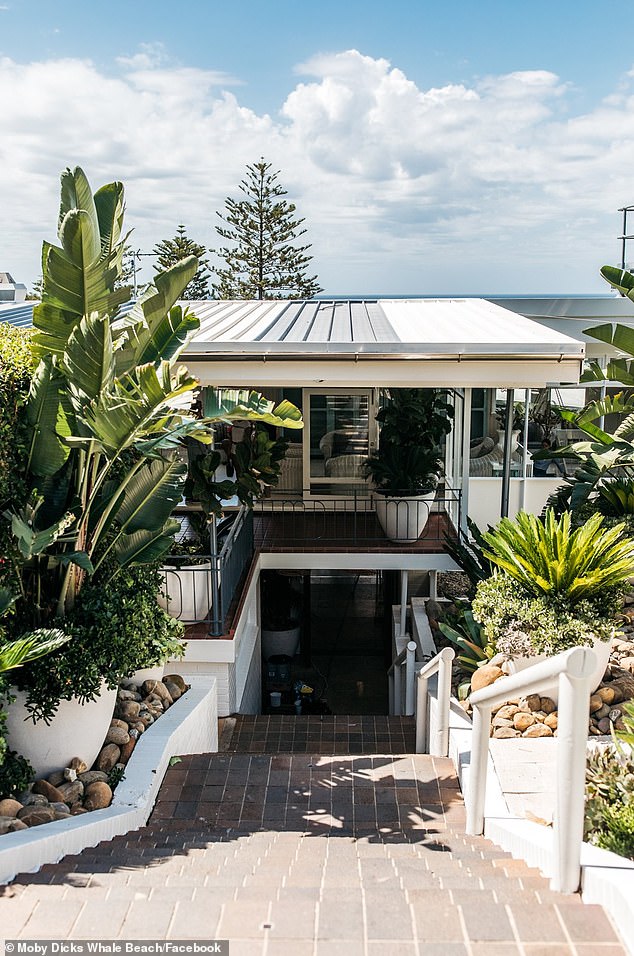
[342, 523]
[202, 593]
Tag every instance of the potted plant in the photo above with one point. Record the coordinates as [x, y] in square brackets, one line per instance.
[408, 461]
[281, 605]
[555, 587]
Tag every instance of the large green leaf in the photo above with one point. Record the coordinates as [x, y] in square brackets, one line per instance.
[29, 647]
[145, 547]
[151, 496]
[48, 419]
[110, 207]
[235, 404]
[161, 338]
[88, 359]
[619, 279]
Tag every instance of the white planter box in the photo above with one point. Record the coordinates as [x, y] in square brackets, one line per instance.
[404, 519]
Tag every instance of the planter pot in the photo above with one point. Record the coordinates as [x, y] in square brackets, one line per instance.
[283, 641]
[404, 519]
[188, 592]
[76, 730]
[601, 650]
[148, 673]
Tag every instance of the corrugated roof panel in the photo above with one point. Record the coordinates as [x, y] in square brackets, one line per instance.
[381, 325]
[322, 325]
[303, 324]
[21, 316]
[283, 323]
[342, 323]
[362, 330]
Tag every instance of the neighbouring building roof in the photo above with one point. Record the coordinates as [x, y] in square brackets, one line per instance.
[10, 290]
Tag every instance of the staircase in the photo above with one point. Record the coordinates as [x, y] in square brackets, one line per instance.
[297, 840]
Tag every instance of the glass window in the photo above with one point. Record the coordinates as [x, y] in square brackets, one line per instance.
[339, 442]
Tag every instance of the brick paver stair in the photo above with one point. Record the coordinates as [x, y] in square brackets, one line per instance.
[308, 853]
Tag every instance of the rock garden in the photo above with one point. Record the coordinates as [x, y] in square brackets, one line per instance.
[77, 789]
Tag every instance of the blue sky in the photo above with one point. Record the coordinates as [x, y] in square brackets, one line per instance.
[463, 147]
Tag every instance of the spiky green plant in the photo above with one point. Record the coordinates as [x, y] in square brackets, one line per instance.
[551, 558]
[616, 497]
[468, 636]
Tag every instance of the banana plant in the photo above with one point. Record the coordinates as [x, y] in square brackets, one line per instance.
[108, 407]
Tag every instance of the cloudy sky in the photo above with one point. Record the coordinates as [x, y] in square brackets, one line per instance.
[468, 147]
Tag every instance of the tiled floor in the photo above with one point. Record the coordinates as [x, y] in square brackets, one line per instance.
[308, 853]
[335, 734]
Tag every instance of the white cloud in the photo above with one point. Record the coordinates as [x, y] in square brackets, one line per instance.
[492, 186]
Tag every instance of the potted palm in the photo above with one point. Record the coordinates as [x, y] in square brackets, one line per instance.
[554, 587]
[407, 464]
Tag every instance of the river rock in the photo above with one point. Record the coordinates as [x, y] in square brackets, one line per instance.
[508, 711]
[501, 733]
[146, 718]
[606, 694]
[484, 676]
[176, 679]
[92, 776]
[605, 725]
[11, 825]
[59, 807]
[530, 703]
[32, 799]
[128, 709]
[118, 736]
[174, 690]
[56, 778]
[623, 686]
[52, 794]
[156, 687]
[502, 722]
[108, 757]
[72, 792]
[77, 809]
[126, 750]
[115, 722]
[538, 730]
[552, 721]
[521, 721]
[547, 705]
[78, 765]
[127, 694]
[35, 816]
[98, 795]
[596, 703]
[137, 727]
[627, 663]
[70, 774]
[9, 807]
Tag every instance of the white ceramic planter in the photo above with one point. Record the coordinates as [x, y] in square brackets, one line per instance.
[188, 592]
[148, 673]
[404, 519]
[76, 730]
[600, 648]
[280, 642]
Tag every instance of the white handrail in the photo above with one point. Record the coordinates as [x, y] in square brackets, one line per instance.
[406, 659]
[434, 739]
[573, 668]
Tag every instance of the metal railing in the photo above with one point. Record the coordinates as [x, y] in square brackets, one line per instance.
[352, 520]
[432, 729]
[404, 665]
[573, 669]
[203, 592]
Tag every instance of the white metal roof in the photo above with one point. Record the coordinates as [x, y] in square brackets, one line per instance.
[433, 342]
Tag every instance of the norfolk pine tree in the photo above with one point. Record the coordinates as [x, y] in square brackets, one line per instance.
[171, 251]
[264, 263]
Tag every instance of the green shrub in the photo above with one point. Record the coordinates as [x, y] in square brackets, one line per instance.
[469, 636]
[550, 557]
[115, 629]
[519, 624]
[609, 811]
[16, 365]
[16, 773]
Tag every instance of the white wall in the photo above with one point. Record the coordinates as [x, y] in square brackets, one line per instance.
[529, 494]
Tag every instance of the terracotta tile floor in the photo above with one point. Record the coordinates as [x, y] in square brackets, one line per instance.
[335, 734]
[311, 853]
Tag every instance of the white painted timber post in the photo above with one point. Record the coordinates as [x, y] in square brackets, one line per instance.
[410, 678]
[422, 703]
[397, 709]
[404, 584]
[439, 733]
[572, 734]
[478, 768]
